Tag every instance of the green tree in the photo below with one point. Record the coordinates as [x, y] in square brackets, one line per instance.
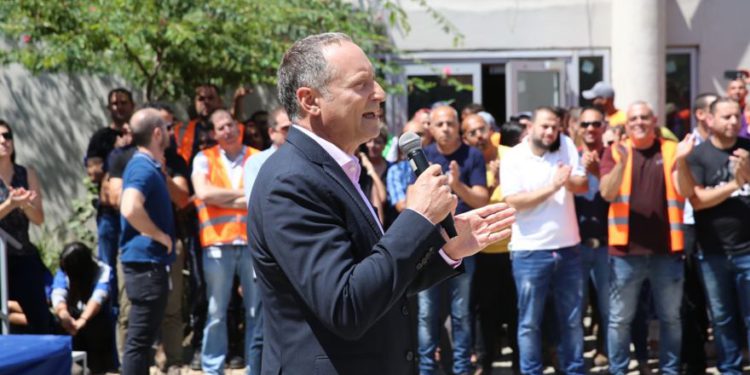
[167, 47]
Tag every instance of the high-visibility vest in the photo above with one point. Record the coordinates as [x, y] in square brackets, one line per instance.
[185, 137]
[219, 225]
[619, 209]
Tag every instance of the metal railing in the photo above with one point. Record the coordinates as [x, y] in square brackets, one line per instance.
[5, 240]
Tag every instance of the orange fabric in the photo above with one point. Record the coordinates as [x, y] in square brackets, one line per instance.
[619, 210]
[185, 137]
[219, 225]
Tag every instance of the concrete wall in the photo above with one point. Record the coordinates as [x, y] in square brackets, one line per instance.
[54, 115]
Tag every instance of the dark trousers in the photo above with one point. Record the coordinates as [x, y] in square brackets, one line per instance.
[26, 274]
[97, 339]
[694, 315]
[495, 296]
[197, 295]
[147, 286]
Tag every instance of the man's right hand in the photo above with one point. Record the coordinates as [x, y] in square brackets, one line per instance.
[621, 149]
[685, 147]
[431, 196]
[562, 174]
[165, 240]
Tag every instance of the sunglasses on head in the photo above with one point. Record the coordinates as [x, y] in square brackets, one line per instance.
[596, 124]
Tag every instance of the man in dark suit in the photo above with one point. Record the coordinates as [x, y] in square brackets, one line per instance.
[334, 286]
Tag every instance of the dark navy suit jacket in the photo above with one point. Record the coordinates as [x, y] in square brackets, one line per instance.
[333, 287]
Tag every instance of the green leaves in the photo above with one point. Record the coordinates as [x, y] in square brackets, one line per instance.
[168, 47]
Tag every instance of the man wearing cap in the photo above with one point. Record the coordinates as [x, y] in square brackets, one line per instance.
[602, 96]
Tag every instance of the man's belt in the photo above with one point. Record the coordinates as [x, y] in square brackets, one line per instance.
[593, 242]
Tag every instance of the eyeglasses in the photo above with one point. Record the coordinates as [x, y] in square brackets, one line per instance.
[596, 124]
[477, 132]
[8, 136]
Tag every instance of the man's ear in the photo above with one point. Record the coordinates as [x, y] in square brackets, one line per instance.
[308, 100]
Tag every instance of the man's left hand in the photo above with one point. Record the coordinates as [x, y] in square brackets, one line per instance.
[479, 228]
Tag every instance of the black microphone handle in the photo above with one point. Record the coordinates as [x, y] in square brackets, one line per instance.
[419, 164]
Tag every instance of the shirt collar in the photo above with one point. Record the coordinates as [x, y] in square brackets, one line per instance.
[349, 163]
[237, 158]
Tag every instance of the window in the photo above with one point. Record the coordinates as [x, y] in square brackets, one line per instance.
[679, 73]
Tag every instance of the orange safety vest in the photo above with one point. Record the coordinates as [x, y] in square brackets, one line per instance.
[185, 137]
[219, 225]
[619, 209]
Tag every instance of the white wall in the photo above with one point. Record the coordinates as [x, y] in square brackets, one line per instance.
[720, 30]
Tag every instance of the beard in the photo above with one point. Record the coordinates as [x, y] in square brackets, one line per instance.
[539, 143]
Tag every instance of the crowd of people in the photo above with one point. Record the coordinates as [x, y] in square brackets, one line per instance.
[604, 198]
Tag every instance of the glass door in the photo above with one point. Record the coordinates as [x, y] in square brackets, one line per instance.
[530, 84]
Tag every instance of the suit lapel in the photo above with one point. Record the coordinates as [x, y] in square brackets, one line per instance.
[315, 153]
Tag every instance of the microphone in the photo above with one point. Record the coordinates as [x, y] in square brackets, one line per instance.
[411, 145]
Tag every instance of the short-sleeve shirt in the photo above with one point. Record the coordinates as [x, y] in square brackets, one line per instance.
[235, 166]
[102, 142]
[119, 158]
[472, 169]
[592, 211]
[398, 177]
[551, 224]
[144, 174]
[721, 229]
[252, 167]
[649, 223]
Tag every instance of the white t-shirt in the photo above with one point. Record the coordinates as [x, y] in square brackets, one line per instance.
[234, 167]
[551, 224]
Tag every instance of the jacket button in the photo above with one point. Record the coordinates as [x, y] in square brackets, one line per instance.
[404, 310]
[419, 266]
[409, 356]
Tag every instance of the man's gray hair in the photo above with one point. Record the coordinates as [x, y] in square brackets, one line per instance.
[304, 65]
[643, 103]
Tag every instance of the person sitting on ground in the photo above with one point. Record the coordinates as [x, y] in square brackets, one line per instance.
[79, 291]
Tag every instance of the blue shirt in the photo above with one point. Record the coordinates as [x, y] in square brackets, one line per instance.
[252, 167]
[144, 174]
[397, 179]
[100, 293]
[472, 169]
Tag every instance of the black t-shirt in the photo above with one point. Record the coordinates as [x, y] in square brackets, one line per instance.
[102, 142]
[592, 211]
[649, 223]
[723, 228]
[118, 159]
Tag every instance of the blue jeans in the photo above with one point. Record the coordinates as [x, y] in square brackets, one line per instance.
[727, 282]
[108, 234]
[595, 262]
[536, 273]
[428, 331]
[665, 273]
[220, 264]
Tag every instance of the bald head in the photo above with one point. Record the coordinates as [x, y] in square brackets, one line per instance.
[142, 125]
[220, 114]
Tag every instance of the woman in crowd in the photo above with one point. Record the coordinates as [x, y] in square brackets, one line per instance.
[79, 291]
[21, 203]
[375, 167]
